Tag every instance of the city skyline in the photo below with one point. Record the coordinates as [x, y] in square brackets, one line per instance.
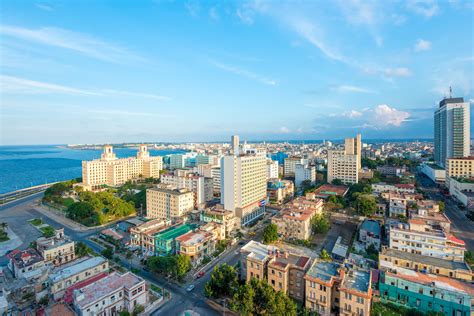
[189, 71]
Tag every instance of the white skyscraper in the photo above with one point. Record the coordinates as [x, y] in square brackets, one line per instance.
[452, 130]
[244, 184]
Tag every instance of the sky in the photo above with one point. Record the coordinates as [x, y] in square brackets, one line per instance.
[80, 72]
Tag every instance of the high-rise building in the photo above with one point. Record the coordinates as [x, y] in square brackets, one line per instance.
[111, 171]
[304, 173]
[343, 167]
[235, 144]
[452, 130]
[353, 146]
[168, 203]
[290, 165]
[244, 184]
[272, 169]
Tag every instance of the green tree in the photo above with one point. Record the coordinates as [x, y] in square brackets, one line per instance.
[81, 249]
[365, 204]
[270, 233]
[320, 224]
[80, 211]
[223, 281]
[325, 255]
[183, 265]
[164, 264]
[337, 182]
[242, 300]
[469, 257]
[107, 253]
[441, 206]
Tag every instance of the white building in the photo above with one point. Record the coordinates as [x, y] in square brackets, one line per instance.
[111, 171]
[244, 185]
[184, 179]
[434, 172]
[272, 169]
[452, 130]
[290, 165]
[304, 173]
[110, 295]
[343, 166]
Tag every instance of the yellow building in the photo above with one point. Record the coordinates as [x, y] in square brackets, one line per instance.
[218, 215]
[342, 166]
[332, 289]
[196, 245]
[453, 269]
[353, 146]
[167, 203]
[459, 168]
[58, 249]
[111, 171]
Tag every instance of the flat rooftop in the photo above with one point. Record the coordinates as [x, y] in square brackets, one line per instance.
[371, 226]
[330, 189]
[437, 262]
[291, 259]
[323, 270]
[192, 238]
[357, 280]
[258, 250]
[105, 286]
[75, 267]
[174, 232]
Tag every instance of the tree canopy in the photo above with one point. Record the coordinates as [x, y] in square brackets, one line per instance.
[320, 224]
[270, 234]
[223, 282]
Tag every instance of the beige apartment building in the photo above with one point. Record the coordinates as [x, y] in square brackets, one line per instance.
[63, 277]
[201, 186]
[353, 146]
[390, 258]
[168, 203]
[284, 271]
[290, 163]
[196, 245]
[58, 249]
[111, 171]
[460, 167]
[278, 190]
[142, 236]
[332, 289]
[342, 166]
[294, 221]
[223, 217]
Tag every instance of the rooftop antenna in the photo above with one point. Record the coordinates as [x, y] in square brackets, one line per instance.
[450, 92]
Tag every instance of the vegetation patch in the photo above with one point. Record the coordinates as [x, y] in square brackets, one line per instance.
[47, 231]
[36, 222]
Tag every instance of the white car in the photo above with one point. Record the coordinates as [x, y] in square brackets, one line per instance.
[190, 288]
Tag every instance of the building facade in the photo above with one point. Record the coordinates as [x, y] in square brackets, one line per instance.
[343, 166]
[272, 169]
[304, 173]
[111, 171]
[452, 130]
[168, 203]
[58, 249]
[202, 187]
[290, 165]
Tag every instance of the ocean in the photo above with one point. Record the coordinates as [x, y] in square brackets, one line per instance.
[25, 166]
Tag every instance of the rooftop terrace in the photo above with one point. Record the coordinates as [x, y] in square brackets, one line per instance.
[323, 270]
[357, 280]
[175, 231]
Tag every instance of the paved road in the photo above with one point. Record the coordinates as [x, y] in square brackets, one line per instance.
[461, 226]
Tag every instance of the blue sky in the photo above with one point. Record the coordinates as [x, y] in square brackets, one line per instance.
[118, 71]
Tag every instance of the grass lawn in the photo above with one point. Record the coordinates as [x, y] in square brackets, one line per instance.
[3, 236]
[36, 221]
[48, 231]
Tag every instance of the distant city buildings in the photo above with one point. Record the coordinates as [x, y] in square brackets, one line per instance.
[111, 171]
[451, 130]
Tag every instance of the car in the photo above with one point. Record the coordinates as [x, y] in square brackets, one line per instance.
[190, 288]
[241, 242]
[200, 274]
[145, 268]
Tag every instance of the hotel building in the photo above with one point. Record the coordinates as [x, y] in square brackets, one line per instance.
[111, 171]
[451, 130]
[343, 166]
[168, 203]
[244, 185]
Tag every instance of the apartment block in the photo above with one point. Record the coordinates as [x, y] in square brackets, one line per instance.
[223, 217]
[111, 171]
[111, 295]
[284, 271]
[142, 236]
[460, 167]
[304, 173]
[294, 220]
[343, 166]
[244, 185]
[272, 169]
[199, 185]
[355, 293]
[428, 241]
[25, 263]
[353, 146]
[397, 188]
[168, 203]
[278, 190]
[425, 292]
[390, 258]
[290, 165]
[58, 249]
[196, 245]
[63, 277]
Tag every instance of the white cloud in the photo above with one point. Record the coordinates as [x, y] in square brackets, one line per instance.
[244, 73]
[426, 8]
[348, 88]
[352, 114]
[385, 116]
[193, 8]
[397, 72]
[16, 85]
[284, 130]
[422, 45]
[78, 42]
[44, 7]
[245, 15]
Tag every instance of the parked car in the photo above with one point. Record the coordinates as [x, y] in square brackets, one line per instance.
[200, 274]
[190, 288]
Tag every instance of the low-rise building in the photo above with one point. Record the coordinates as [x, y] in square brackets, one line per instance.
[196, 245]
[61, 278]
[434, 172]
[427, 241]
[111, 295]
[226, 218]
[294, 221]
[462, 189]
[142, 236]
[387, 170]
[278, 190]
[58, 249]
[389, 258]
[25, 263]
[426, 292]
[165, 240]
[327, 190]
[370, 233]
[168, 203]
[397, 188]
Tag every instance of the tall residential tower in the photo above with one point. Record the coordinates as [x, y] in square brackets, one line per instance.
[452, 130]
